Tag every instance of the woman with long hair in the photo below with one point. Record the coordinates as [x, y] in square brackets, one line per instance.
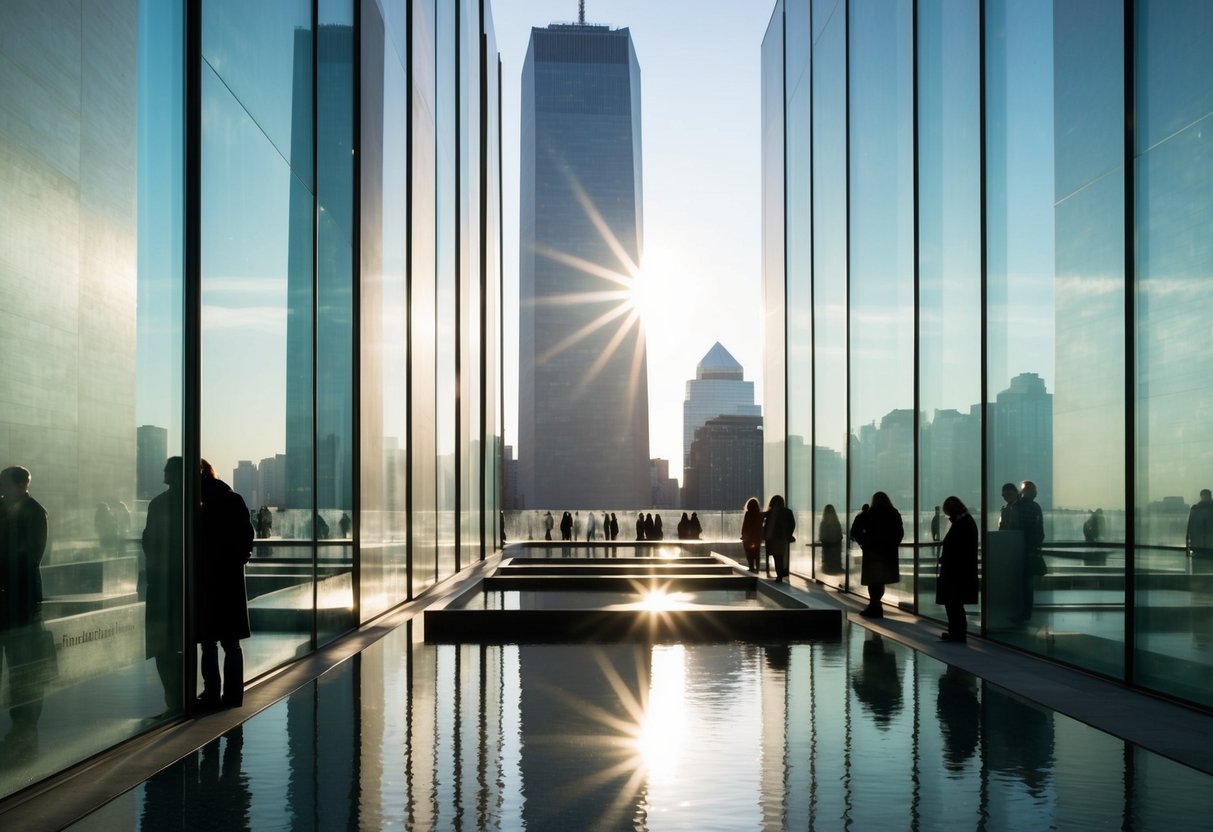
[883, 531]
[751, 532]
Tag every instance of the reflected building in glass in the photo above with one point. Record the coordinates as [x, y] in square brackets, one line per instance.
[583, 421]
[267, 235]
[986, 231]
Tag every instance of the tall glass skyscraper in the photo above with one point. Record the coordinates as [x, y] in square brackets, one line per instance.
[987, 255]
[583, 421]
[718, 389]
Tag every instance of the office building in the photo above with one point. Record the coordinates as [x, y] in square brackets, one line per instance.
[583, 376]
[718, 389]
[151, 451]
[725, 466]
[994, 276]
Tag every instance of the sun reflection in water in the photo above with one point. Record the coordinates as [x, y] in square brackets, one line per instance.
[663, 726]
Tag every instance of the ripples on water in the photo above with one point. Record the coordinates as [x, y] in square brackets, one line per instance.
[852, 734]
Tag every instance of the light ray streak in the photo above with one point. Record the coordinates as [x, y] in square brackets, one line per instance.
[587, 266]
[604, 230]
[576, 298]
[609, 351]
[582, 333]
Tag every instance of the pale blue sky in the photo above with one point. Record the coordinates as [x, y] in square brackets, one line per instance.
[699, 65]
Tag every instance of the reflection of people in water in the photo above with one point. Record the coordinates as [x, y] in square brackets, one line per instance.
[208, 788]
[877, 683]
[959, 714]
[1018, 738]
[1200, 527]
[162, 537]
[25, 646]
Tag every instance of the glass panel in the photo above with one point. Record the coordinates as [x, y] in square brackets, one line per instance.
[774, 363]
[492, 445]
[799, 282]
[91, 277]
[1055, 185]
[334, 318]
[1174, 180]
[949, 276]
[422, 310]
[256, 363]
[882, 287]
[383, 351]
[448, 205]
[263, 53]
[829, 292]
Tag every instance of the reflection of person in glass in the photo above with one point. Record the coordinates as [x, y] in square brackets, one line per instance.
[936, 523]
[877, 683]
[830, 535]
[1030, 520]
[548, 523]
[24, 642]
[1199, 536]
[957, 581]
[779, 530]
[1092, 529]
[881, 534]
[1007, 521]
[225, 543]
[162, 611]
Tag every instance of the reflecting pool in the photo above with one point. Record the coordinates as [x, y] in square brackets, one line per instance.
[857, 732]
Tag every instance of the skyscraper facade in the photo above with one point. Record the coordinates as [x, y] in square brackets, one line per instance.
[583, 421]
[987, 253]
[718, 389]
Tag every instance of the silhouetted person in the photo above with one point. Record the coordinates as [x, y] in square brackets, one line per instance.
[322, 527]
[957, 581]
[830, 535]
[658, 532]
[778, 530]
[576, 526]
[548, 523]
[225, 543]
[751, 533]
[1199, 536]
[591, 525]
[345, 524]
[882, 533]
[684, 523]
[1007, 519]
[859, 530]
[25, 644]
[266, 525]
[640, 526]
[501, 520]
[650, 530]
[877, 683]
[935, 524]
[566, 526]
[959, 715]
[1030, 520]
[614, 526]
[162, 541]
[1092, 529]
[694, 527]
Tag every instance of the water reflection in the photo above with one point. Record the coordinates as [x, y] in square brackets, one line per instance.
[859, 731]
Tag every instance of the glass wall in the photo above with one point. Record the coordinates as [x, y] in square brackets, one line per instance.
[949, 275]
[448, 259]
[773, 289]
[881, 268]
[1173, 178]
[798, 278]
[829, 151]
[91, 333]
[1055, 332]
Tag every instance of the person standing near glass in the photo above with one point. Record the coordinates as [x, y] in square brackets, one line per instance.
[882, 534]
[751, 532]
[829, 533]
[225, 544]
[162, 538]
[957, 583]
[1030, 520]
[778, 531]
[1199, 536]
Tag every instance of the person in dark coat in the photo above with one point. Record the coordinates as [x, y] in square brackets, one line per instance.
[880, 535]
[614, 526]
[957, 582]
[566, 526]
[751, 533]
[650, 530]
[778, 530]
[23, 536]
[1030, 520]
[684, 523]
[829, 534]
[640, 526]
[859, 529]
[162, 540]
[225, 544]
[694, 527]
[1199, 536]
[658, 532]
[548, 522]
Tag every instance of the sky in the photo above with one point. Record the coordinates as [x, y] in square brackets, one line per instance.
[700, 109]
